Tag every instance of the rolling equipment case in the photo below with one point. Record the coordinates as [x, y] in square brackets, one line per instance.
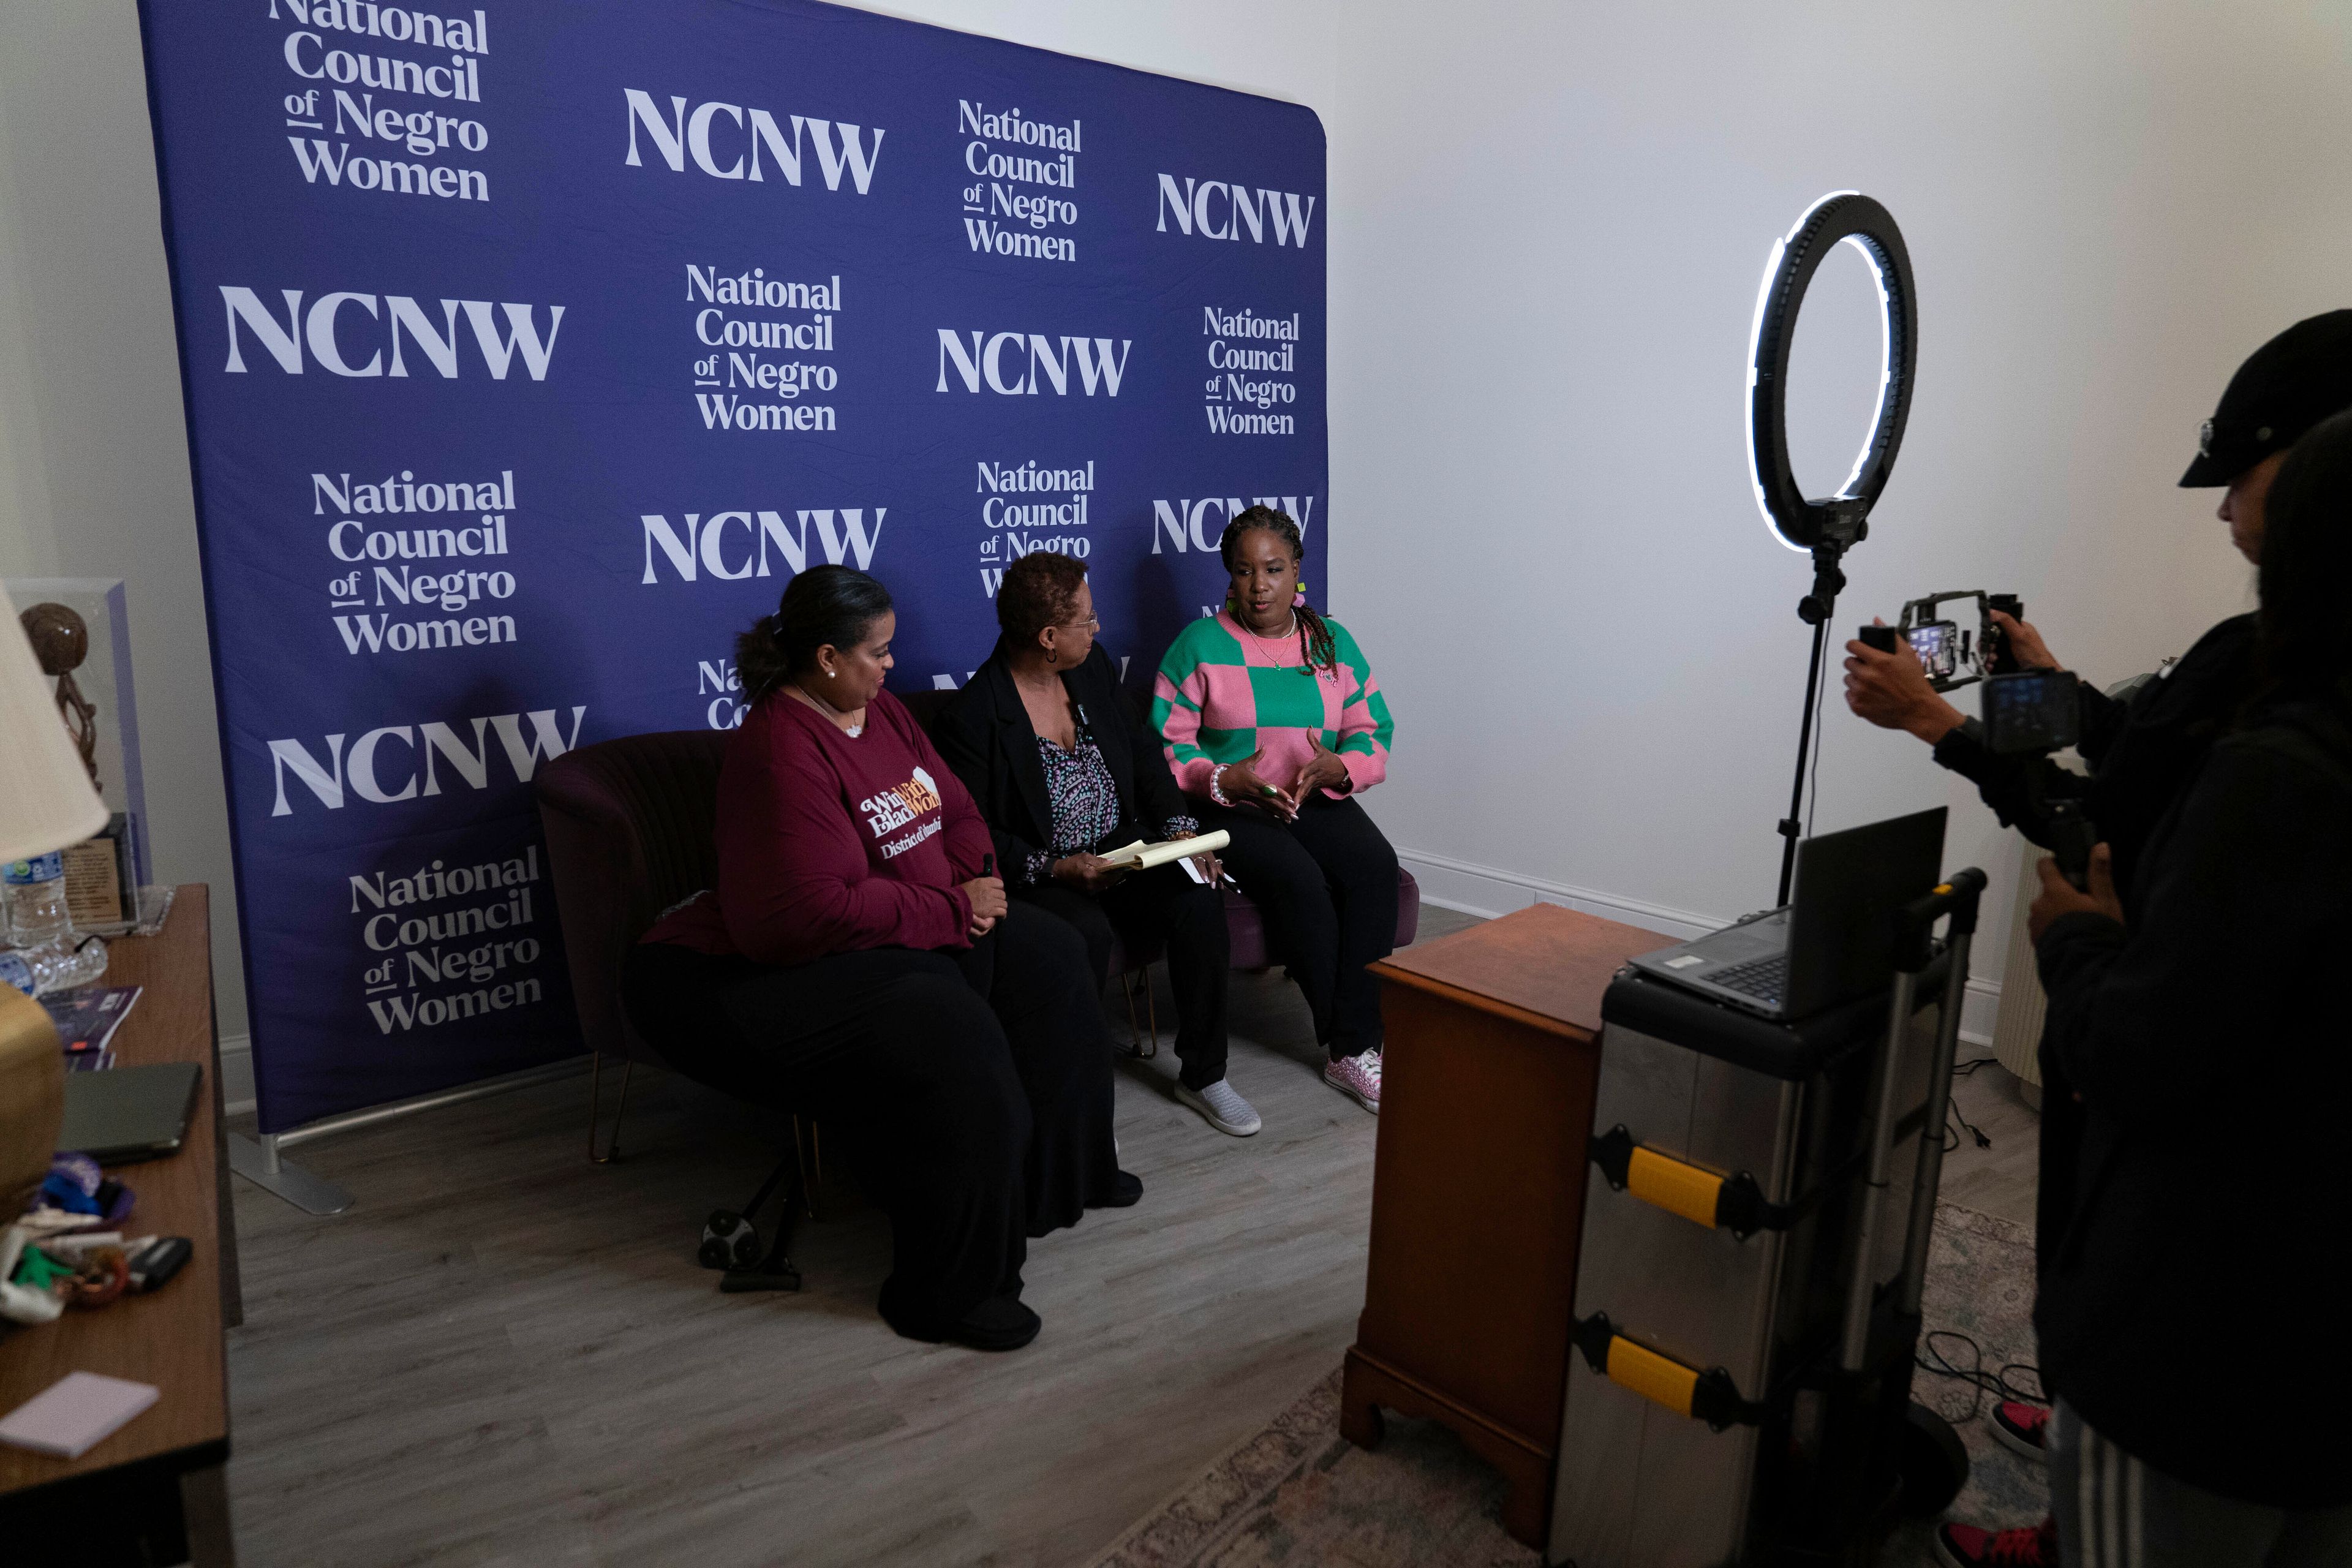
[1748, 1299]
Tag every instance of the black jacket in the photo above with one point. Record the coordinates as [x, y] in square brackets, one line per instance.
[2185, 1308]
[2143, 752]
[985, 736]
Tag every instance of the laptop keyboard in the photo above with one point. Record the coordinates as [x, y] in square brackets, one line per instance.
[1762, 978]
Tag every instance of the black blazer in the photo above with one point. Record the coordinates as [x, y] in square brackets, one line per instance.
[984, 734]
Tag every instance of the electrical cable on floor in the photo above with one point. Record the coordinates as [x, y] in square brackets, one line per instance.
[1952, 1109]
[2001, 1385]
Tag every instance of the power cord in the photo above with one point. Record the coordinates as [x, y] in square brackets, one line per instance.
[2002, 1385]
[1952, 1109]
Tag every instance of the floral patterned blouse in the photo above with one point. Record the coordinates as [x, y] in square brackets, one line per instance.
[1086, 805]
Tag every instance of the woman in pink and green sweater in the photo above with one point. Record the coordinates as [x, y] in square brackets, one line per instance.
[1273, 723]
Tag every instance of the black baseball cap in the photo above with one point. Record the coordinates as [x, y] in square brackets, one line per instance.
[2285, 387]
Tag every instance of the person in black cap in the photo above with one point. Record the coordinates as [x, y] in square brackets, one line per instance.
[2185, 1322]
[2145, 749]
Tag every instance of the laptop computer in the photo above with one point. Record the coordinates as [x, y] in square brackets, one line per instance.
[1834, 942]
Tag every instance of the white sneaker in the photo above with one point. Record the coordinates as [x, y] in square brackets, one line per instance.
[1221, 1107]
[1358, 1077]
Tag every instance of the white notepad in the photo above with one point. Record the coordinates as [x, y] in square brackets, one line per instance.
[75, 1414]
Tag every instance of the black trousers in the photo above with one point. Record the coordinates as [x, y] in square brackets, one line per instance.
[1327, 885]
[1162, 905]
[975, 1088]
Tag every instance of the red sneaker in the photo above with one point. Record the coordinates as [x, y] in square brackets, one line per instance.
[1968, 1546]
[2021, 1426]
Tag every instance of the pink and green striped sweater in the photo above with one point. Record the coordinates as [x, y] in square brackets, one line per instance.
[1223, 694]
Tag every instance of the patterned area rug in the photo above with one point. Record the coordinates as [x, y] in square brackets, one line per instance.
[1296, 1493]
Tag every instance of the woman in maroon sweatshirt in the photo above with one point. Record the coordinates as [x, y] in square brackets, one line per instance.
[858, 962]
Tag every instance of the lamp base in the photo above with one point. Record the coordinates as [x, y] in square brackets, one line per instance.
[31, 1096]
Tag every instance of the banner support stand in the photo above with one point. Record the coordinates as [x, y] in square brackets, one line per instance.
[263, 1164]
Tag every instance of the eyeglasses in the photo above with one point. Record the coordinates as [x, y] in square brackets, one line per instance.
[1091, 624]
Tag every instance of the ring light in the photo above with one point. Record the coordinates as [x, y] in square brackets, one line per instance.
[1842, 217]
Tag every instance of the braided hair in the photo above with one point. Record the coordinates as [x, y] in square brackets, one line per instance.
[824, 604]
[1316, 643]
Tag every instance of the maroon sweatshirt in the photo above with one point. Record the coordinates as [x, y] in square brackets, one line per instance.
[830, 843]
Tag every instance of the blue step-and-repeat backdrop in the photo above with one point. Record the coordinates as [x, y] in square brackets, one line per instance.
[529, 350]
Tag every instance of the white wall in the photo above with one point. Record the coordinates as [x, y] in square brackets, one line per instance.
[93, 450]
[1547, 223]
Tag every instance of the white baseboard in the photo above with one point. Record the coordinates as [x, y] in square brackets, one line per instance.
[237, 1074]
[1488, 892]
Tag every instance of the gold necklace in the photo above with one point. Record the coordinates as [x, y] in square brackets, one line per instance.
[1287, 633]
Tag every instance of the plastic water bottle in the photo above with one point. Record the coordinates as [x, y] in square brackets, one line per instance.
[36, 900]
[15, 972]
[42, 929]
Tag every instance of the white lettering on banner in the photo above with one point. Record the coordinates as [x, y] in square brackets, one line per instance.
[403, 494]
[421, 133]
[1014, 501]
[986, 236]
[1228, 388]
[401, 25]
[358, 769]
[421, 946]
[748, 135]
[1219, 209]
[997, 192]
[394, 583]
[734, 557]
[311, 57]
[783, 381]
[406, 322]
[1032, 356]
[1198, 524]
[1225, 421]
[431, 884]
[726, 709]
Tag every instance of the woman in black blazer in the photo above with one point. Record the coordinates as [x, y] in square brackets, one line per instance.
[1062, 770]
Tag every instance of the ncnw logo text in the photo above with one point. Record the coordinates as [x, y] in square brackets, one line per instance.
[1220, 209]
[750, 134]
[707, 544]
[396, 323]
[361, 768]
[1012, 363]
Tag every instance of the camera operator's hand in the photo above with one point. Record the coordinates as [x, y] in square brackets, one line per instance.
[2025, 644]
[1891, 690]
[2060, 897]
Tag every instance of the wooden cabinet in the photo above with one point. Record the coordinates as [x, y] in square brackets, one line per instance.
[1493, 1053]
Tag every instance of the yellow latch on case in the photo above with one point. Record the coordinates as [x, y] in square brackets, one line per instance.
[1674, 1186]
[1651, 1375]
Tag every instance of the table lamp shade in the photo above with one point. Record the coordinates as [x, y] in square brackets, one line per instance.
[47, 801]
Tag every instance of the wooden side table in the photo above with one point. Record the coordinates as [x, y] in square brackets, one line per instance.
[158, 1481]
[1492, 1056]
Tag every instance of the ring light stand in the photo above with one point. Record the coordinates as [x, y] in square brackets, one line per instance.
[1829, 527]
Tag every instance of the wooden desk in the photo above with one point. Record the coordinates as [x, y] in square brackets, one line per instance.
[1493, 1053]
[174, 1338]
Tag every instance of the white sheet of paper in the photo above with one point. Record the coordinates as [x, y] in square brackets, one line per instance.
[75, 1414]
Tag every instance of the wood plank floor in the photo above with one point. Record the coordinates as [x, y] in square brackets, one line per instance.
[506, 1355]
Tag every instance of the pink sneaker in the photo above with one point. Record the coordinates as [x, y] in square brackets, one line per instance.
[2022, 1428]
[1358, 1077]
